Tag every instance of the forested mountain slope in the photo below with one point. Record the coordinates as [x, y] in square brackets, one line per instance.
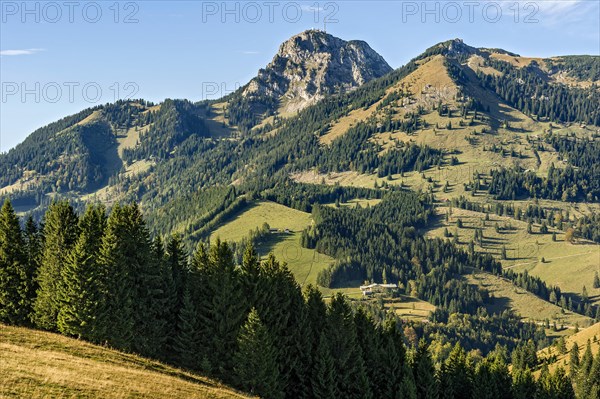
[449, 106]
[482, 129]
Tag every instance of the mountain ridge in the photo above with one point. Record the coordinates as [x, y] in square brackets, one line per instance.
[146, 137]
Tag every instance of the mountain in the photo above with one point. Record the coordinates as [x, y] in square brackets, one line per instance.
[314, 64]
[468, 176]
[80, 154]
[83, 153]
[38, 364]
[454, 106]
[308, 67]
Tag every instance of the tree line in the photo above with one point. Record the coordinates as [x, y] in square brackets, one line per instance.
[577, 181]
[586, 226]
[427, 269]
[101, 278]
[526, 90]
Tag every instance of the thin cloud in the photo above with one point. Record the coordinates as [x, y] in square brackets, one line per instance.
[28, 51]
[557, 7]
[550, 13]
[312, 8]
[555, 12]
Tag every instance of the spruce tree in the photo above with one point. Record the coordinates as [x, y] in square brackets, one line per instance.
[221, 308]
[281, 306]
[369, 338]
[456, 375]
[574, 357]
[316, 313]
[82, 314]
[250, 275]
[256, 369]
[33, 252]
[483, 386]
[424, 373]
[582, 376]
[524, 385]
[594, 377]
[168, 312]
[500, 373]
[187, 342]
[395, 349]
[544, 384]
[115, 260]
[351, 381]
[177, 263]
[323, 377]
[14, 277]
[61, 231]
[561, 385]
[148, 298]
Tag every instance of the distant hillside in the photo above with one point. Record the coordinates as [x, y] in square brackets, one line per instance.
[35, 364]
[97, 148]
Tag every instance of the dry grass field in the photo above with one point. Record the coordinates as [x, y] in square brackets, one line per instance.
[35, 364]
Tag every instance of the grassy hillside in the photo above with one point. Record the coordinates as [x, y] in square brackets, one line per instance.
[408, 307]
[569, 266]
[529, 306]
[304, 263]
[581, 338]
[35, 364]
[488, 140]
[255, 215]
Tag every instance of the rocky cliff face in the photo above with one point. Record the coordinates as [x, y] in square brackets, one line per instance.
[314, 64]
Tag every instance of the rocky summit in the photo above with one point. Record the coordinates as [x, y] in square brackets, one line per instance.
[314, 64]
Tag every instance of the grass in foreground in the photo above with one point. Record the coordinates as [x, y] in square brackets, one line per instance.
[36, 364]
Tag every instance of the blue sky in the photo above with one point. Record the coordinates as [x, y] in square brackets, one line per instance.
[57, 58]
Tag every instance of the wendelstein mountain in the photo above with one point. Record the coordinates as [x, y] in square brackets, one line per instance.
[308, 67]
[454, 201]
[333, 89]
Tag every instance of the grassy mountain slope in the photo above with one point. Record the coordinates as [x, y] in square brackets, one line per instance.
[97, 152]
[557, 359]
[568, 265]
[304, 263]
[529, 306]
[136, 150]
[36, 364]
[470, 137]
